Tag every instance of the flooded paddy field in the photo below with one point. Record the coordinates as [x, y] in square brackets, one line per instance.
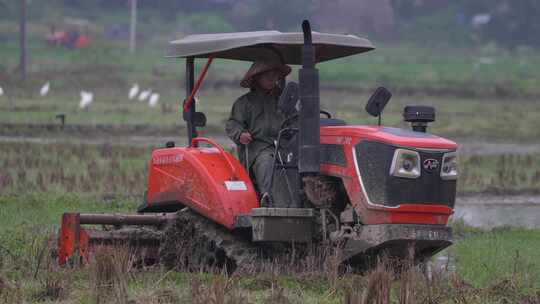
[489, 211]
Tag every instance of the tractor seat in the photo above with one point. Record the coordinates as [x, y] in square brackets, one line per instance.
[331, 122]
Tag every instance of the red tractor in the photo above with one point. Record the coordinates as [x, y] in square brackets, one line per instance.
[372, 189]
[74, 35]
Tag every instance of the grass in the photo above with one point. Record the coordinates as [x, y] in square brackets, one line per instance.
[404, 67]
[485, 258]
[456, 117]
[492, 119]
[27, 218]
[409, 67]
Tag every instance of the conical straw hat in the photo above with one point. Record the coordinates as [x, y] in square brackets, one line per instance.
[259, 67]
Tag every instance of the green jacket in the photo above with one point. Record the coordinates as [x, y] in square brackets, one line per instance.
[256, 113]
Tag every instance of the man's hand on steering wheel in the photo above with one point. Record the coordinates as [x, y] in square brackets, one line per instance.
[245, 138]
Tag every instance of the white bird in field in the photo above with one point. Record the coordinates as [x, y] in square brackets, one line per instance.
[1, 91]
[86, 99]
[480, 19]
[486, 60]
[154, 98]
[133, 91]
[144, 94]
[45, 89]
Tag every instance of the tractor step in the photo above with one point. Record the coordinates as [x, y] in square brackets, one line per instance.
[282, 224]
[396, 241]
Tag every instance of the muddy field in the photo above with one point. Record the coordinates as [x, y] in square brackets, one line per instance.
[500, 266]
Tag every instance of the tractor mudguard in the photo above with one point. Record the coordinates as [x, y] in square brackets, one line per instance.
[208, 180]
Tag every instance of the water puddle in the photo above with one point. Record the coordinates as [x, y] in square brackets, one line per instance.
[443, 264]
[489, 211]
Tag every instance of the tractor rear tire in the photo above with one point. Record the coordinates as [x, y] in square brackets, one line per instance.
[194, 243]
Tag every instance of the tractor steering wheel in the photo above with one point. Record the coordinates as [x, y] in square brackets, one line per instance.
[328, 114]
[296, 115]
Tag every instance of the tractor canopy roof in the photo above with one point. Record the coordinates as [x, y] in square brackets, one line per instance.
[261, 45]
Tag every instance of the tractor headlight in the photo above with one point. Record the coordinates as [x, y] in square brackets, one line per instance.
[449, 169]
[406, 163]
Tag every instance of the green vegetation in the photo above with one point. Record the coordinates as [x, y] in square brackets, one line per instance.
[27, 220]
[457, 118]
[405, 68]
[485, 258]
[439, 71]
[435, 54]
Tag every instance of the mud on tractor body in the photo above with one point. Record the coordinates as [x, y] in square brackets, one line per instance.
[371, 189]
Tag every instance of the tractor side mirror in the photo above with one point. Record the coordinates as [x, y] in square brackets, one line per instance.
[288, 99]
[378, 101]
[199, 119]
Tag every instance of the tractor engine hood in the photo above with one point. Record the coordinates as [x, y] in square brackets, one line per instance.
[396, 170]
[392, 136]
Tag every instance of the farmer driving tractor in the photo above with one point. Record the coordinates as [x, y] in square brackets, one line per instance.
[255, 121]
[366, 189]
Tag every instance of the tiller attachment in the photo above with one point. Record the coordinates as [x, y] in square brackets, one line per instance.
[76, 244]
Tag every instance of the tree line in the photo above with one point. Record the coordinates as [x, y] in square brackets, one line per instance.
[510, 23]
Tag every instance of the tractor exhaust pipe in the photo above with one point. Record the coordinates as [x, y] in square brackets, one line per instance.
[309, 137]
